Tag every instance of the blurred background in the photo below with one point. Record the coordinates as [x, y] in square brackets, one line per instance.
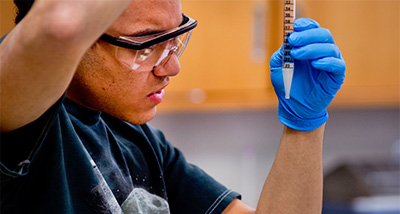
[221, 110]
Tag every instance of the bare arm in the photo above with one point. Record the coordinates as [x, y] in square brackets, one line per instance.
[40, 55]
[294, 184]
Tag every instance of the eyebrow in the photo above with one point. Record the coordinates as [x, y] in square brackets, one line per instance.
[146, 32]
[149, 32]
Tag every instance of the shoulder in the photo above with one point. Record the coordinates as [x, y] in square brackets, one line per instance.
[3, 37]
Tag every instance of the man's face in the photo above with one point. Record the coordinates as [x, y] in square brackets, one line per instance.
[103, 83]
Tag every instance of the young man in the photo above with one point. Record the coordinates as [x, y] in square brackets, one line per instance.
[69, 101]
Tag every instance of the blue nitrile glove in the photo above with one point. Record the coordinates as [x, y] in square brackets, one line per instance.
[318, 75]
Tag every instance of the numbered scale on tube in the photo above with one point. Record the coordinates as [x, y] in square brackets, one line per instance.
[288, 61]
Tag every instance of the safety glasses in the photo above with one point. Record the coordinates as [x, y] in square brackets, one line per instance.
[145, 53]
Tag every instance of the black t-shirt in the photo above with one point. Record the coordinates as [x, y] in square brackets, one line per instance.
[76, 160]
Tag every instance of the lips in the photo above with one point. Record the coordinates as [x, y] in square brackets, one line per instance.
[158, 96]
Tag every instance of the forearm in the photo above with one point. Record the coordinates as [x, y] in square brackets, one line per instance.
[294, 184]
[83, 20]
[40, 55]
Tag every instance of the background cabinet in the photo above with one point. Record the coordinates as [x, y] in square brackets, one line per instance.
[6, 16]
[225, 65]
[222, 59]
[367, 33]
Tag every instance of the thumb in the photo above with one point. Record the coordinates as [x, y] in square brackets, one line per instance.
[302, 24]
[276, 59]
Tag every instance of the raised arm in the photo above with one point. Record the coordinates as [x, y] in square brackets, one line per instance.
[40, 55]
[294, 184]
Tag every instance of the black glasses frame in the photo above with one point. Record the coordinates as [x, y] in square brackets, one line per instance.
[187, 24]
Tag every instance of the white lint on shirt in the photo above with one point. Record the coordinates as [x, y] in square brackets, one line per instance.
[140, 201]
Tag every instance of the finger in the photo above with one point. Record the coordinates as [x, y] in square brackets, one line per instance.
[332, 65]
[316, 35]
[276, 59]
[329, 82]
[302, 24]
[277, 81]
[315, 51]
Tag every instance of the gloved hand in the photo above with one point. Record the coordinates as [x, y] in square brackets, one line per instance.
[318, 74]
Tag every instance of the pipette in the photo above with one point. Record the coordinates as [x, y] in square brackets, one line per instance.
[289, 8]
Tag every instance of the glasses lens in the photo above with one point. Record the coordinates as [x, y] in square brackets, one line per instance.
[155, 55]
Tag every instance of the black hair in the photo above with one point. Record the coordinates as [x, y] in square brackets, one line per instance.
[23, 6]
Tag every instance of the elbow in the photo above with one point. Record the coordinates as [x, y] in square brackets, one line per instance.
[63, 25]
[62, 30]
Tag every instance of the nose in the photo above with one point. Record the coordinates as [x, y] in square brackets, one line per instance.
[171, 67]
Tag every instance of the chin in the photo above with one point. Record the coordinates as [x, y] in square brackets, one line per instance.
[139, 118]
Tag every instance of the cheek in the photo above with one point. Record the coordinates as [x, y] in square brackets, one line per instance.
[94, 78]
[102, 70]
[121, 87]
[113, 73]
[103, 83]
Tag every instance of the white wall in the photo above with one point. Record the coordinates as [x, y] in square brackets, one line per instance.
[238, 148]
